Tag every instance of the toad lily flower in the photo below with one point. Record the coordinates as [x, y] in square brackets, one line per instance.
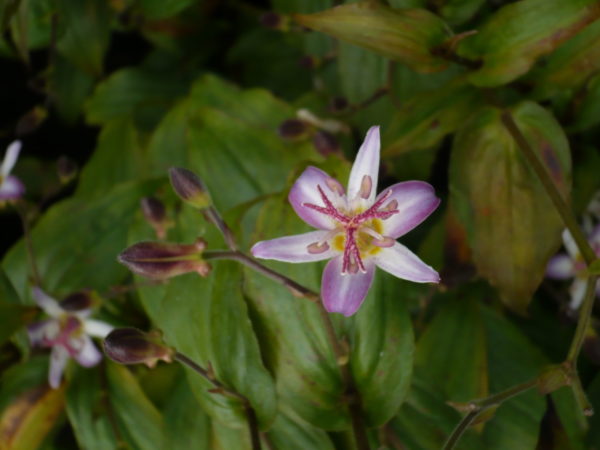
[67, 332]
[10, 186]
[357, 229]
[569, 265]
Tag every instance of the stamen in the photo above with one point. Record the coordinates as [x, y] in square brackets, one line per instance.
[329, 209]
[378, 239]
[365, 187]
[317, 247]
[335, 186]
[391, 205]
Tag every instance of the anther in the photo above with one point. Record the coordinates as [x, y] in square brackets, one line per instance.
[317, 247]
[391, 206]
[365, 187]
[385, 242]
[335, 186]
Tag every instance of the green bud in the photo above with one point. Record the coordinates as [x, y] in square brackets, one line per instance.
[189, 188]
[132, 346]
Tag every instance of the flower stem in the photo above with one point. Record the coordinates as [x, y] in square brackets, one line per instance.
[584, 319]
[559, 203]
[222, 389]
[477, 407]
[37, 279]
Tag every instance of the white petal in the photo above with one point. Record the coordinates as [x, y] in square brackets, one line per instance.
[577, 291]
[10, 158]
[570, 244]
[97, 328]
[560, 267]
[294, 248]
[58, 360]
[89, 355]
[365, 164]
[402, 263]
[11, 188]
[47, 303]
[345, 293]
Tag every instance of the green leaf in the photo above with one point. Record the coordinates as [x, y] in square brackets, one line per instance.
[90, 411]
[13, 315]
[69, 88]
[228, 136]
[140, 92]
[571, 65]
[361, 72]
[519, 33]
[512, 226]
[382, 346]
[457, 12]
[426, 118]
[162, 9]
[86, 33]
[76, 243]
[586, 112]
[452, 351]
[407, 35]
[295, 434]
[140, 423]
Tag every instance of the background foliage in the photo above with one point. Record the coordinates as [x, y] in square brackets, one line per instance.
[129, 88]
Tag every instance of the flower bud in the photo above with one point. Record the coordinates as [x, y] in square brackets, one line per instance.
[326, 143]
[338, 104]
[274, 21]
[155, 214]
[132, 346]
[189, 187]
[80, 301]
[293, 129]
[162, 260]
[66, 169]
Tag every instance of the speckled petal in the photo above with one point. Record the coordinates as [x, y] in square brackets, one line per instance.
[345, 293]
[10, 158]
[47, 303]
[402, 263]
[416, 201]
[11, 188]
[365, 164]
[305, 191]
[89, 355]
[97, 328]
[293, 248]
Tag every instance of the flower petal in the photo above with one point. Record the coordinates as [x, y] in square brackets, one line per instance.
[89, 355]
[345, 293]
[58, 360]
[10, 158]
[293, 248]
[11, 188]
[97, 328]
[305, 190]
[416, 201]
[365, 164]
[577, 292]
[37, 332]
[47, 303]
[402, 263]
[570, 244]
[560, 267]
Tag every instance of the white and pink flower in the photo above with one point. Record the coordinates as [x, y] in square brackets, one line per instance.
[11, 187]
[67, 332]
[357, 230]
[565, 266]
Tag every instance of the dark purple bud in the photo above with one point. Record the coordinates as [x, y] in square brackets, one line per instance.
[338, 104]
[293, 129]
[274, 21]
[325, 143]
[80, 300]
[189, 187]
[162, 260]
[155, 214]
[309, 62]
[132, 346]
[66, 169]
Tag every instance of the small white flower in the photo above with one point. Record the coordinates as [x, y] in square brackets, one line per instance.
[67, 332]
[10, 186]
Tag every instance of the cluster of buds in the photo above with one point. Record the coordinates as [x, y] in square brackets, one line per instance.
[132, 346]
